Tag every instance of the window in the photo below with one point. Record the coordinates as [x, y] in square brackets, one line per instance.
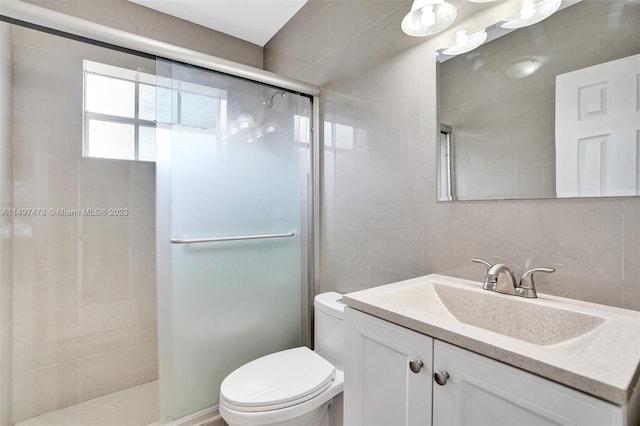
[445, 184]
[301, 128]
[121, 108]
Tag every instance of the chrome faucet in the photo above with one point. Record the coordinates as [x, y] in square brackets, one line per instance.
[491, 276]
[491, 279]
[525, 288]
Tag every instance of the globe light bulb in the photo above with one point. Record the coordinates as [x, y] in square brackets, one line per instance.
[528, 9]
[428, 18]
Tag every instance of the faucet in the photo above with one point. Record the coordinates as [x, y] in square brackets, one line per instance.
[525, 288]
[491, 276]
[491, 279]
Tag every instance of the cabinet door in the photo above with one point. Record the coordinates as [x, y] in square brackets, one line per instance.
[481, 391]
[379, 387]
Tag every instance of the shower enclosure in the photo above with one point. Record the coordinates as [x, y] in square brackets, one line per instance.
[116, 164]
[234, 185]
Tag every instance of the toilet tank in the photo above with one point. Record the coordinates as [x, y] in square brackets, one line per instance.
[328, 327]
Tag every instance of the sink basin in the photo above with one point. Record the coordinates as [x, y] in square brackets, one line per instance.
[532, 321]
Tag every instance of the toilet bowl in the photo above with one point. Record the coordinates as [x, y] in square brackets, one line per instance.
[291, 387]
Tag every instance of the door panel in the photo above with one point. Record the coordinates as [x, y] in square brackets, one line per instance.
[229, 165]
[597, 130]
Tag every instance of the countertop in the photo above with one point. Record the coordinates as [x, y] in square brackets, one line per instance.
[604, 362]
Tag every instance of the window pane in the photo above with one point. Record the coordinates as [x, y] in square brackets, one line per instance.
[147, 108]
[167, 98]
[158, 100]
[110, 140]
[198, 110]
[301, 128]
[112, 96]
[147, 144]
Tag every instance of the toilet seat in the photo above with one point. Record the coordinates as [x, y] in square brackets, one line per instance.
[277, 381]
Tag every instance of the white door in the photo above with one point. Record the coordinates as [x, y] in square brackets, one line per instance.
[484, 392]
[380, 388]
[598, 130]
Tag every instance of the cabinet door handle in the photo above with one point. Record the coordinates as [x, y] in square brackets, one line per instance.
[415, 365]
[441, 377]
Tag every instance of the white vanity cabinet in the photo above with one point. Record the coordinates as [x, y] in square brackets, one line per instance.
[381, 389]
[482, 391]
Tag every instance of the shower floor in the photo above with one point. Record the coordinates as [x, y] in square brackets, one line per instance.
[136, 406]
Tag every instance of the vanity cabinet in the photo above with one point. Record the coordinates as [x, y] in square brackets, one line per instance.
[381, 388]
[482, 391]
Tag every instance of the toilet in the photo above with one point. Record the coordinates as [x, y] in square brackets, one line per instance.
[294, 386]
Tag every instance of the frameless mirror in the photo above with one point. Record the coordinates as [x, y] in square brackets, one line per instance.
[548, 110]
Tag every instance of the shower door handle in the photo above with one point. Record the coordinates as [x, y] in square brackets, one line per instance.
[237, 238]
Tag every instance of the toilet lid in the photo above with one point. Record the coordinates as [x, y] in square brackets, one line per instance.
[277, 380]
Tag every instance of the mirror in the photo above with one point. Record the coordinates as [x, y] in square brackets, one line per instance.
[544, 111]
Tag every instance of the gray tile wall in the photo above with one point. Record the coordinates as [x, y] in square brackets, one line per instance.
[379, 219]
[136, 19]
[6, 225]
[84, 298]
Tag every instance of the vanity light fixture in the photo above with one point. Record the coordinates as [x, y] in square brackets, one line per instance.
[532, 13]
[428, 17]
[465, 43]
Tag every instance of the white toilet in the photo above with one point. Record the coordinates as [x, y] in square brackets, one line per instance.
[295, 386]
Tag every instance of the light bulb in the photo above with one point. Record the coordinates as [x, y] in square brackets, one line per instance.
[528, 9]
[428, 18]
[465, 42]
[461, 38]
[532, 13]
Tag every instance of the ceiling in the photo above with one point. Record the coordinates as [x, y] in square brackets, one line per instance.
[255, 21]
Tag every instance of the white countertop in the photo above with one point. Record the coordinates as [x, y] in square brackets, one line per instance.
[604, 362]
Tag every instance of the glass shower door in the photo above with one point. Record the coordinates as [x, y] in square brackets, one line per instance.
[233, 167]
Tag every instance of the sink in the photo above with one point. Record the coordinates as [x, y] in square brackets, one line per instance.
[533, 321]
[590, 347]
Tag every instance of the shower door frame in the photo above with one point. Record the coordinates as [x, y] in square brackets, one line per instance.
[46, 20]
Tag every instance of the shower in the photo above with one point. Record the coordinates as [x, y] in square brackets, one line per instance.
[268, 101]
[201, 258]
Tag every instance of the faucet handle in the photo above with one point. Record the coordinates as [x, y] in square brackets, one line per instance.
[484, 262]
[527, 287]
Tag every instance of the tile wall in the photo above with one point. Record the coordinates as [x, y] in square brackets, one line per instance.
[84, 322]
[6, 231]
[379, 221]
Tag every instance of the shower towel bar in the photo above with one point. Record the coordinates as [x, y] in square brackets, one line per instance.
[218, 239]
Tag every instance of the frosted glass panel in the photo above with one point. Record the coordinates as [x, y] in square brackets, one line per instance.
[223, 304]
